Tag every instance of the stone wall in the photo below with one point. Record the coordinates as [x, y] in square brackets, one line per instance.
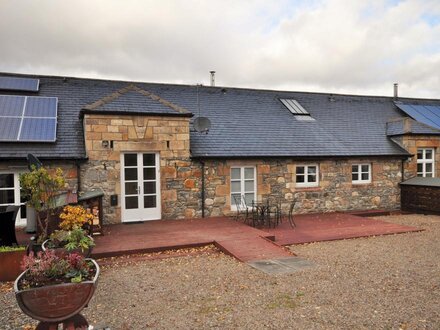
[167, 135]
[411, 143]
[334, 193]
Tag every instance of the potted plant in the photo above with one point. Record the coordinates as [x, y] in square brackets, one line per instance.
[10, 258]
[53, 288]
[72, 236]
[40, 188]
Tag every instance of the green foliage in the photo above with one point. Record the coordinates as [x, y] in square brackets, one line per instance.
[39, 188]
[71, 240]
[11, 248]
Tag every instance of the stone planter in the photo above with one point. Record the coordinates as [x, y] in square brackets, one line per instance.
[56, 303]
[62, 251]
[10, 264]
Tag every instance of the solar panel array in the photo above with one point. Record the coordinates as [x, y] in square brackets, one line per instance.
[426, 114]
[28, 118]
[19, 84]
[297, 110]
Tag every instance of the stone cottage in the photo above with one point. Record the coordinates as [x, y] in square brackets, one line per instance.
[137, 142]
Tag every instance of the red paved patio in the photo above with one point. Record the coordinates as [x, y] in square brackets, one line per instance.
[237, 239]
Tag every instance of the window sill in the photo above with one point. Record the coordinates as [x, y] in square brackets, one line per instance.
[314, 188]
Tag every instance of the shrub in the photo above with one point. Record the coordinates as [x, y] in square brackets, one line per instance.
[74, 217]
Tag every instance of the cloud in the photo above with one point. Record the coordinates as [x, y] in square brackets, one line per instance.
[334, 46]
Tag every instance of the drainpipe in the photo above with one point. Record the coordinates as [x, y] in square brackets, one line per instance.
[78, 177]
[203, 188]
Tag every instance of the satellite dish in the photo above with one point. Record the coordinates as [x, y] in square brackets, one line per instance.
[202, 124]
[33, 161]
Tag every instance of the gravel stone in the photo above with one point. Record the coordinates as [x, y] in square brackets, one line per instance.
[383, 282]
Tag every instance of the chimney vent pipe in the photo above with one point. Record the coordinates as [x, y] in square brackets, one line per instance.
[212, 78]
[396, 91]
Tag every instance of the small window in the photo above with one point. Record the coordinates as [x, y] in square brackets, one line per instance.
[361, 173]
[243, 186]
[298, 111]
[425, 162]
[307, 176]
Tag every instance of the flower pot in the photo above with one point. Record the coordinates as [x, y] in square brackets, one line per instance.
[60, 251]
[10, 264]
[55, 303]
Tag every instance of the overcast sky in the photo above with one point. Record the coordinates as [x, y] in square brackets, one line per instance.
[340, 46]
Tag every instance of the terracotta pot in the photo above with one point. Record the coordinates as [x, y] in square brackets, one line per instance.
[10, 264]
[62, 251]
[56, 303]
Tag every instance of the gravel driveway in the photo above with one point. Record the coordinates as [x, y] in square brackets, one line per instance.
[386, 282]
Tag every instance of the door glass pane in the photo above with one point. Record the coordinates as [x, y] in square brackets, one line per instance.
[235, 174]
[235, 186]
[149, 201]
[249, 197]
[130, 159]
[131, 188]
[7, 197]
[249, 186]
[131, 202]
[131, 174]
[149, 173]
[248, 173]
[6, 180]
[149, 159]
[149, 187]
[236, 199]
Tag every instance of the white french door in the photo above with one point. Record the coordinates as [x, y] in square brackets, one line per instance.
[10, 195]
[140, 187]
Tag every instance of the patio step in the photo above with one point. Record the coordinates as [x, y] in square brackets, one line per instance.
[252, 249]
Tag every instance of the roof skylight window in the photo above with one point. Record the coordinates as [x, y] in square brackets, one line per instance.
[297, 110]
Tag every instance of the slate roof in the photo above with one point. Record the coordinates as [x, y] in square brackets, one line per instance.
[244, 122]
[409, 126]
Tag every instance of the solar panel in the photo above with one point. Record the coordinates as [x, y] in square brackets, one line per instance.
[28, 118]
[426, 114]
[38, 129]
[19, 84]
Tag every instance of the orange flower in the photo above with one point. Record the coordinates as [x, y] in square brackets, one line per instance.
[74, 217]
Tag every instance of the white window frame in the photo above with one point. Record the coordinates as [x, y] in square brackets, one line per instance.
[242, 181]
[306, 182]
[360, 172]
[17, 198]
[425, 161]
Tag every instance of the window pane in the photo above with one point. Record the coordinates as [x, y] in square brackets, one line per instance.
[149, 202]
[6, 180]
[248, 173]
[428, 167]
[249, 186]
[235, 186]
[235, 174]
[355, 177]
[354, 169]
[149, 187]
[365, 176]
[235, 199]
[249, 197]
[428, 154]
[149, 159]
[365, 168]
[419, 154]
[311, 178]
[420, 168]
[131, 188]
[7, 197]
[149, 173]
[130, 174]
[130, 159]
[311, 170]
[429, 175]
[299, 178]
[300, 170]
[420, 174]
[131, 202]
